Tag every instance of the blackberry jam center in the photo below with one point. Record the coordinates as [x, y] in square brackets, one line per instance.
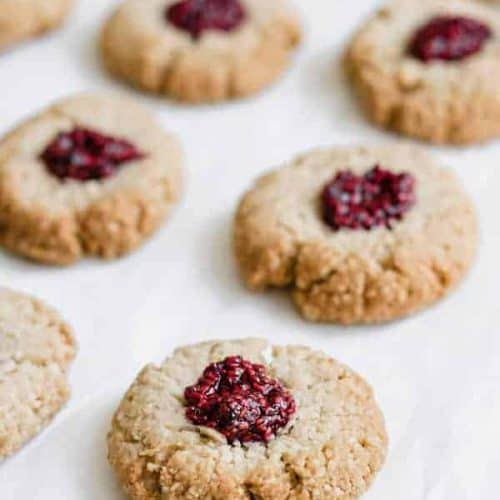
[377, 198]
[85, 154]
[449, 38]
[237, 398]
[196, 16]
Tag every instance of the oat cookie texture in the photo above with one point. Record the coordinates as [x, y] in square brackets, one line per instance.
[439, 101]
[355, 276]
[23, 19]
[141, 46]
[36, 348]
[60, 220]
[331, 449]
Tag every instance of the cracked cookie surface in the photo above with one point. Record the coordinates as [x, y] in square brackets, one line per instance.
[138, 45]
[332, 448]
[23, 19]
[59, 222]
[36, 348]
[355, 276]
[440, 101]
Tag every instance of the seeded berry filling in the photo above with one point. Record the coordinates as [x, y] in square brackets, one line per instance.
[84, 154]
[377, 198]
[197, 16]
[238, 399]
[449, 38]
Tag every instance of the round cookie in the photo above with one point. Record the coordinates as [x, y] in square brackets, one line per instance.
[441, 101]
[141, 45]
[344, 275]
[332, 447]
[36, 348]
[92, 175]
[23, 19]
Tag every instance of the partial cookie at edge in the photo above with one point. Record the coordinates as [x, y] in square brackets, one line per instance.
[36, 348]
[439, 102]
[24, 19]
[333, 448]
[143, 49]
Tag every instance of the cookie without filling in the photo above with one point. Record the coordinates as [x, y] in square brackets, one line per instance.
[438, 101]
[332, 448]
[36, 348]
[141, 46]
[355, 275]
[23, 19]
[59, 220]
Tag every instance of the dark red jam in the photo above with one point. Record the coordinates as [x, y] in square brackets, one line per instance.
[197, 16]
[377, 198]
[238, 399]
[84, 154]
[449, 38]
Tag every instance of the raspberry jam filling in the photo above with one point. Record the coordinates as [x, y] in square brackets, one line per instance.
[197, 16]
[449, 38]
[377, 198]
[84, 154]
[238, 399]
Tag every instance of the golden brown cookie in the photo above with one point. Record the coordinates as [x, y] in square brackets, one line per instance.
[23, 19]
[222, 55]
[437, 83]
[92, 175]
[36, 348]
[331, 447]
[385, 243]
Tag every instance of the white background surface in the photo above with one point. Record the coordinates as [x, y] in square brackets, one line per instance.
[436, 374]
